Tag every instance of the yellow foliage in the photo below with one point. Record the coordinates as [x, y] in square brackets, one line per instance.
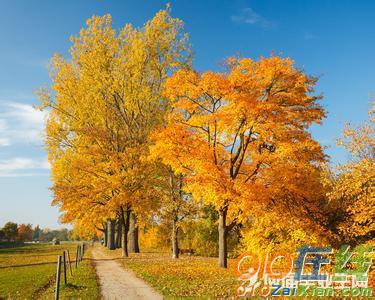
[104, 101]
[279, 231]
[351, 189]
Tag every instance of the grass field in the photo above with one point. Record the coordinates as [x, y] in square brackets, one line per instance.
[28, 272]
[189, 277]
[83, 284]
[184, 277]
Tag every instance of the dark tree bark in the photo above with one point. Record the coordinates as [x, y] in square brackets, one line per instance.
[119, 234]
[105, 235]
[116, 233]
[125, 216]
[223, 251]
[174, 239]
[111, 234]
[133, 234]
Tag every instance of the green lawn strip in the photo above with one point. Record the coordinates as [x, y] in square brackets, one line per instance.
[83, 284]
[24, 282]
[33, 254]
[26, 270]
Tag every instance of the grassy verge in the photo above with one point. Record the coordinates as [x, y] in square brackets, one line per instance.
[184, 277]
[83, 284]
[191, 277]
[27, 272]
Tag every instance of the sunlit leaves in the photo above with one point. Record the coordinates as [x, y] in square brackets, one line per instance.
[240, 136]
[105, 99]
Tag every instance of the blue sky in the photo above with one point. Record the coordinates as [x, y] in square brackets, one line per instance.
[334, 40]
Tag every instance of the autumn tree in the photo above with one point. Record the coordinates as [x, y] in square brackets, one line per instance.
[351, 186]
[104, 102]
[176, 204]
[25, 232]
[133, 233]
[241, 137]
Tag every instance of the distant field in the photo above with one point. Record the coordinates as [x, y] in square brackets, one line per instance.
[28, 272]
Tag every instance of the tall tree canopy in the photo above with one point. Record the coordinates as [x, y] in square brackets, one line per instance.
[241, 137]
[105, 99]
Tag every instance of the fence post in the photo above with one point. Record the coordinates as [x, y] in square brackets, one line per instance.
[57, 291]
[64, 262]
[79, 253]
[77, 257]
[70, 263]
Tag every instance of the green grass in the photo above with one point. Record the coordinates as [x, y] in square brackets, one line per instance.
[27, 272]
[82, 284]
[188, 277]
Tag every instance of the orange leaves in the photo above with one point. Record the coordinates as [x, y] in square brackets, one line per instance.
[226, 130]
[193, 91]
[274, 89]
[238, 138]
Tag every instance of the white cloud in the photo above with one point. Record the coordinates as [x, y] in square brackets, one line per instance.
[21, 166]
[21, 129]
[13, 175]
[26, 113]
[249, 16]
[4, 142]
[21, 123]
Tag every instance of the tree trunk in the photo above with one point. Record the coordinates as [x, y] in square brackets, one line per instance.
[223, 252]
[119, 234]
[106, 235]
[133, 234]
[174, 239]
[111, 234]
[116, 233]
[125, 216]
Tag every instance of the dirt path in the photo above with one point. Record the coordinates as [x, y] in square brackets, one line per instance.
[118, 283]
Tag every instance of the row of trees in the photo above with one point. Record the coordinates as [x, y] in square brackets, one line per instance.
[26, 233]
[137, 137]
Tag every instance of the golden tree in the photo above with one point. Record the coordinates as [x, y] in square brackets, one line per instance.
[105, 100]
[351, 187]
[241, 137]
[176, 204]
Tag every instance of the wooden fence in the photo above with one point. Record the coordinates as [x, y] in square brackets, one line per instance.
[64, 266]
